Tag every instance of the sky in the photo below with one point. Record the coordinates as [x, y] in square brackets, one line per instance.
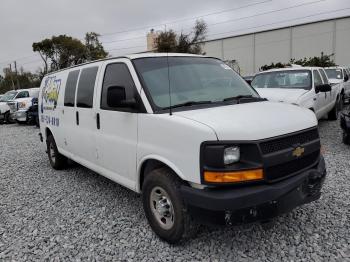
[123, 25]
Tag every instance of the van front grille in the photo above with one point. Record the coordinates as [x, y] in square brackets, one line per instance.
[289, 168]
[291, 141]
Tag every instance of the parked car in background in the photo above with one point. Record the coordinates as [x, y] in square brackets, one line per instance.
[248, 79]
[4, 107]
[340, 75]
[188, 134]
[23, 105]
[303, 86]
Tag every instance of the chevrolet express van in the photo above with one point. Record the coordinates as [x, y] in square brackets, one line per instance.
[187, 133]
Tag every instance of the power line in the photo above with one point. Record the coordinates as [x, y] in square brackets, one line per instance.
[279, 22]
[184, 19]
[232, 20]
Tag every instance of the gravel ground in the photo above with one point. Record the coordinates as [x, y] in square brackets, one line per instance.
[76, 214]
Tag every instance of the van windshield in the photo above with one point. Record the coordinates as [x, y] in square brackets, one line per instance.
[192, 80]
[292, 79]
[334, 73]
[8, 96]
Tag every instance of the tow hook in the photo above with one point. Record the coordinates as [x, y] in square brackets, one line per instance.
[314, 183]
[228, 215]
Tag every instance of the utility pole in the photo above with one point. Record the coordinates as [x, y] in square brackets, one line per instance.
[18, 85]
[11, 76]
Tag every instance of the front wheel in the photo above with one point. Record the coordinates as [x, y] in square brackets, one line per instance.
[164, 207]
[346, 138]
[57, 160]
[334, 113]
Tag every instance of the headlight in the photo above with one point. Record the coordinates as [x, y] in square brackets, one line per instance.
[22, 105]
[231, 155]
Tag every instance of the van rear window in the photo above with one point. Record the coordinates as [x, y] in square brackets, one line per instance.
[86, 86]
[69, 94]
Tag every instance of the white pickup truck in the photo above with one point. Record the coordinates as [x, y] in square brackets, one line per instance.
[340, 76]
[302, 86]
[15, 103]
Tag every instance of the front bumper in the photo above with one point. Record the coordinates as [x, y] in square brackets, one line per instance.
[254, 203]
[21, 115]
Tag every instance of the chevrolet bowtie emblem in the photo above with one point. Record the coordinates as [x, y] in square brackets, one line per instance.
[299, 151]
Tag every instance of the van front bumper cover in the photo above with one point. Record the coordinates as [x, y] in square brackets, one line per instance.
[254, 203]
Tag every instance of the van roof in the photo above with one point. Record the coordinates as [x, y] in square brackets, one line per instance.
[131, 57]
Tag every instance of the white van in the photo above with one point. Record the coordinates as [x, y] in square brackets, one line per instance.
[188, 134]
[303, 86]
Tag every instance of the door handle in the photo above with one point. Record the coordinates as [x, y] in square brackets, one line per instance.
[77, 117]
[98, 121]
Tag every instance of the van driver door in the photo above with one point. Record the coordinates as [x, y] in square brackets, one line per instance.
[116, 125]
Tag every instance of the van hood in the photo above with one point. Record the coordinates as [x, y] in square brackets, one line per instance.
[281, 94]
[253, 121]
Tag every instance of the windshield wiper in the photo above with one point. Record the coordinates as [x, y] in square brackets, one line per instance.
[238, 98]
[189, 103]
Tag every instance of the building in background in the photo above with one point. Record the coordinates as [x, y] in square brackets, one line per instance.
[151, 40]
[253, 50]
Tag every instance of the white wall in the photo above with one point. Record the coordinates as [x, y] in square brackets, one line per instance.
[255, 50]
[342, 42]
[241, 49]
[273, 46]
[310, 40]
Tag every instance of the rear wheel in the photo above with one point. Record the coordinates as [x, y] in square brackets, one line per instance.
[164, 207]
[8, 118]
[57, 160]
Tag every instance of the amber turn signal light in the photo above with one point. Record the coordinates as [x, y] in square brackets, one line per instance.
[233, 177]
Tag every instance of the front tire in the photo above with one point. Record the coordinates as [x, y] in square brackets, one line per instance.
[57, 160]
[164, 207]
[346, 138]
[334, 113]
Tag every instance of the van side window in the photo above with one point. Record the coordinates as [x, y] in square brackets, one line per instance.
[86, 87]
[69, 94]
[324, 76]
[318, 80]
[22, 94]
[117, 75]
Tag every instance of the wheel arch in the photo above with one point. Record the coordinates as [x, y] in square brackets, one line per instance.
[149, 163]
[48, 132]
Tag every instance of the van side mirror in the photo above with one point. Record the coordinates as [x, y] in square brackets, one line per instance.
[323, 88]
[116, 98]
[346, 78]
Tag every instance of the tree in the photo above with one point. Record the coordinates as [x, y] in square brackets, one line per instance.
[94, 48]
[168, 41]
[64, 51]
[319, 61]
[25, 80]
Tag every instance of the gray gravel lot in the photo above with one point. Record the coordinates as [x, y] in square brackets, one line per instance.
[76, 214]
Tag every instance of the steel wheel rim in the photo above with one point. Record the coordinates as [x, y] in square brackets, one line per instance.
[162, 208]
[52, 153]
